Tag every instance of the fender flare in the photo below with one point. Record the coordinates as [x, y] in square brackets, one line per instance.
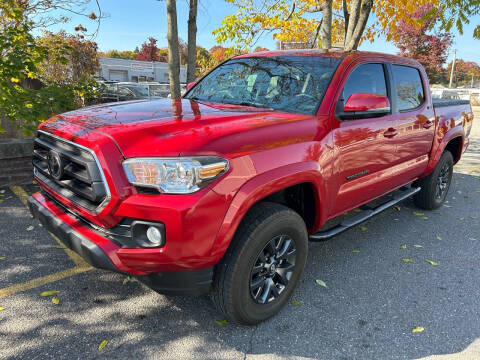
[260, 187]
[453, 133]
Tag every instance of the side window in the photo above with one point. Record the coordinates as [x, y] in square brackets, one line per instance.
[366, 78]
[408, 86]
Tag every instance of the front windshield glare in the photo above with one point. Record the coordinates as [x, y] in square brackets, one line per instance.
[289, 83]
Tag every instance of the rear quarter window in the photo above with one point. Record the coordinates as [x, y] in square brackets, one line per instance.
[409, 90]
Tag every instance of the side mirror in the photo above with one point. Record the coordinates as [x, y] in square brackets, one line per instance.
[365, 104]
[190, 85]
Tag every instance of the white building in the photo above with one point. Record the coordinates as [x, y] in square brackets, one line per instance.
[136, 71]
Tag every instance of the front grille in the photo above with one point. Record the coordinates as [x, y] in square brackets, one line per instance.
[70, 170]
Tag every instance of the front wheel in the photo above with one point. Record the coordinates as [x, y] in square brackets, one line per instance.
[259, 272]
[434, 187]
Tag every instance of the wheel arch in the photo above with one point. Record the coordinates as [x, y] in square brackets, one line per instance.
[274, 186]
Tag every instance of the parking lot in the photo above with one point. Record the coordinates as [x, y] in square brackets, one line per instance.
[372, 299]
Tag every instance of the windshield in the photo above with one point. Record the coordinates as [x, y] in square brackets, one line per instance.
[292, 83]
[138, 90]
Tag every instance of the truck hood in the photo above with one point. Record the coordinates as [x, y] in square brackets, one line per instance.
[166, 127]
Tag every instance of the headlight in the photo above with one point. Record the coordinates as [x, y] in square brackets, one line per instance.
[174, 175]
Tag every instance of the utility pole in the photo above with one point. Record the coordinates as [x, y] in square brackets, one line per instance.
[453, 67]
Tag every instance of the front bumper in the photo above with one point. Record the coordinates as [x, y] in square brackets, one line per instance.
[103, 254]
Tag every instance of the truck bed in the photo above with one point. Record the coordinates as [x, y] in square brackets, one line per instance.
[449, 102]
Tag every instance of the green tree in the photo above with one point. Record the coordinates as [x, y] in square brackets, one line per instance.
[21, 61]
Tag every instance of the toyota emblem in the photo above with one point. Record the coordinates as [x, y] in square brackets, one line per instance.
[55, 164]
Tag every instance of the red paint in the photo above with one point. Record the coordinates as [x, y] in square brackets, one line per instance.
[267, 151]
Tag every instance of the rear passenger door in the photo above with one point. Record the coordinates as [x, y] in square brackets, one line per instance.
[364, 147]
[415, 119]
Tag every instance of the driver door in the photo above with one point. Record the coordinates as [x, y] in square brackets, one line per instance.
[364, 147]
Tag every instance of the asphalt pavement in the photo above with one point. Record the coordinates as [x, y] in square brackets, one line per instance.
[370, 305]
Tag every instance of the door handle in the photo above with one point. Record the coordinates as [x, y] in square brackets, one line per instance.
[428, 124]
[391, 132]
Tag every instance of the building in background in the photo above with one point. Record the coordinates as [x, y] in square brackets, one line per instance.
[113, 69]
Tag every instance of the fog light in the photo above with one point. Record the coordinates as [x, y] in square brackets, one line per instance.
[148, 234]
[154, 236]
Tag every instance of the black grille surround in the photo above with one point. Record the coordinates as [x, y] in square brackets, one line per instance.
[70, 170]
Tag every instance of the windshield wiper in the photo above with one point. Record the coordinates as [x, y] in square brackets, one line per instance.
[246, 103]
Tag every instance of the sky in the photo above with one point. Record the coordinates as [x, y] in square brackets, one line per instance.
[131, 22]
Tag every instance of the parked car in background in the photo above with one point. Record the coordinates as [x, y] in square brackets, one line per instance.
[220, 191]
[125, 91]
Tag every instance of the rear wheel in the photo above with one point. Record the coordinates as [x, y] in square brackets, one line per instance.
[259, 272]
[434, 187]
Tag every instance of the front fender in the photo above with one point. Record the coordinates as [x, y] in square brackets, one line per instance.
[260, 187]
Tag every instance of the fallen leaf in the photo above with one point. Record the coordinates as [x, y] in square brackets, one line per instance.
[55, 300]
[396, 219]
[2, 257]
[357, 210]
[129, 279]
[438, 237]
[49, 293]
[30, 228]
[2, 192]
[1, 308]
[221, 322]
[59, 246]
[1, 200]
[363, 228]
[355, 251]
[446, 201]
[473, 217]
[458, 191]
[296, 303]
[453, 197]
[461, 218]
[398, 208]
[407, 260]
[418, 329]
[418, 213]
[321, 283]
[403, 247]
[431, 262]
[424, 218]
[473, 239]
[465, 196]
[102, 345]
[417, 246]
[448, 206]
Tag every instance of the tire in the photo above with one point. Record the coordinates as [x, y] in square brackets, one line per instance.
[431, 196]
[236, 291]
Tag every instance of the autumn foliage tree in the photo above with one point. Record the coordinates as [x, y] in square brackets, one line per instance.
[338, 22]
[464, 72]
[425, 43]
[149, 51]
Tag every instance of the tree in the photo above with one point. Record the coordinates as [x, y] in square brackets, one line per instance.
[336, 21]
[464, 72]
[149, 51]
[430, 50]
[458, 13]
[173, 56]
[259, 48]
[69, 58]
[125, 54]
[192, 41]
[23, 59]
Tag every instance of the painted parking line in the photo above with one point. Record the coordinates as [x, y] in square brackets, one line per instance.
[80, 264]
[34, 283]
[77, 259]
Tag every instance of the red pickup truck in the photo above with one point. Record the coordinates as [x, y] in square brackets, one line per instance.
[220, 191]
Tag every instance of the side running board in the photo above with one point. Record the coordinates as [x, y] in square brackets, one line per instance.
[397, 196]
